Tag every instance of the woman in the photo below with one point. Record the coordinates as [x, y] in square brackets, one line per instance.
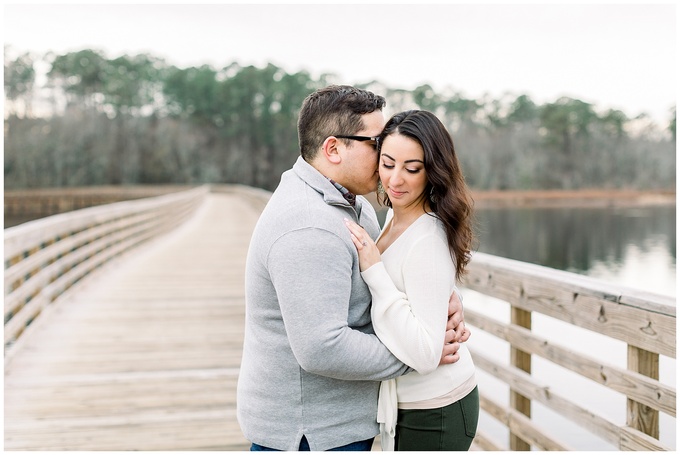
[411, 271]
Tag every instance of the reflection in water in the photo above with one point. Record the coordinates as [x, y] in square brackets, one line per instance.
[631, 246]
[623, 245]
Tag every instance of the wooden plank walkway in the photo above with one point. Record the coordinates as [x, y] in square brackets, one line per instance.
[146, 355]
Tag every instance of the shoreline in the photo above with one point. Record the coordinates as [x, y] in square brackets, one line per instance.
[573, 198]
[595, 198]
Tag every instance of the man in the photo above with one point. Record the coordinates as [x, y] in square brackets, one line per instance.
[312, 365]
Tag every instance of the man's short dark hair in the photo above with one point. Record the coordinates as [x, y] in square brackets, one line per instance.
[336, 109]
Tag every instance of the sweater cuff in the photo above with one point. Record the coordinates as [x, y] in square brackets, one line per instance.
[381, 285]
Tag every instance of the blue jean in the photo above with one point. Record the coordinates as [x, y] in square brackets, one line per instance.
[304, 446]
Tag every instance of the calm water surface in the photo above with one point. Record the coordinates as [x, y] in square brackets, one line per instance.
[630, 246]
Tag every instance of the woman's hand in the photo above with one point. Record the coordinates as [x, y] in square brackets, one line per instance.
[366, 247]
[456, 321]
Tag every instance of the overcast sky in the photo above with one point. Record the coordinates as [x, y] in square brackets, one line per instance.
[620, 56]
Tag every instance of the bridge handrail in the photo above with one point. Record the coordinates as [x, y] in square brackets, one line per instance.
[46, 257]
[645, 321]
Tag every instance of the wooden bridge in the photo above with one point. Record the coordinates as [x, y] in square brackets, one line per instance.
[124, 323]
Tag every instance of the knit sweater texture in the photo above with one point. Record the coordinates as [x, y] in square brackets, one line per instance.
[411, 288]
[312, 364]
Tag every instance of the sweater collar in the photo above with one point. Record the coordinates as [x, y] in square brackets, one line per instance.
[325, 186]
[347, 194]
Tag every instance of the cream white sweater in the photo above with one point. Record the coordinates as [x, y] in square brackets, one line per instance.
[410, 290]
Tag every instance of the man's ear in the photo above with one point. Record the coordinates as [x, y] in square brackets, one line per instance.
[330, 151]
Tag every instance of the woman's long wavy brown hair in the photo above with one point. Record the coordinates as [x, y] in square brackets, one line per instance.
[446, 190]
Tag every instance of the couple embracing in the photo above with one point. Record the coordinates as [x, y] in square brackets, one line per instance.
[352, 331]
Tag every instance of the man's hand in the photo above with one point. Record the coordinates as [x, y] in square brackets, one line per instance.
[456, 332]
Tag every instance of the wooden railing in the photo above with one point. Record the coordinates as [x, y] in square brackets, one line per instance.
[41, 202]
[645, 322]
[45, 258]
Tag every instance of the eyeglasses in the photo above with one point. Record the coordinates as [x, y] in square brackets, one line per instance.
[374, 139]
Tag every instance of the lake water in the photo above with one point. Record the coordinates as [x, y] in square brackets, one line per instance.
[631, 246]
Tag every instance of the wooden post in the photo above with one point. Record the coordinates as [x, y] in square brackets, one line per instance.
[639, 416]
[521, 360]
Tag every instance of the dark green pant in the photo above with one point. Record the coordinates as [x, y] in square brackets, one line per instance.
[452, 427]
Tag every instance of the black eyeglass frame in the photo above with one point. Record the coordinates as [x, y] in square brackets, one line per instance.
[376, 139]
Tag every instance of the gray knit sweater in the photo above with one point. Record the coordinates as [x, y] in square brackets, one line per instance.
[311, 361]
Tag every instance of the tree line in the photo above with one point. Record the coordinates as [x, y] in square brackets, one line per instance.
[92, 120]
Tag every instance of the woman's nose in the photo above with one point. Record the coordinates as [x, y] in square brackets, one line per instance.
[396, 179]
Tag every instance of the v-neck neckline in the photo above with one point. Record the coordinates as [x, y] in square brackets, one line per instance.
[384, 230]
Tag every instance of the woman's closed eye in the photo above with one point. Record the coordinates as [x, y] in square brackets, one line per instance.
[410, 171]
